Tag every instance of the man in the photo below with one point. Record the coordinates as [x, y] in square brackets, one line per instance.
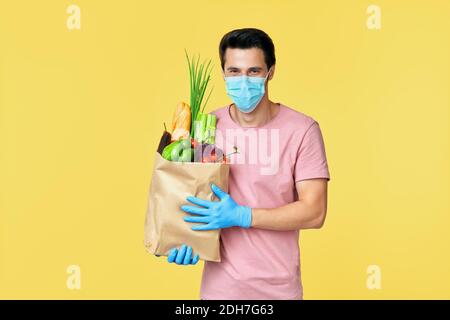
[269, 201]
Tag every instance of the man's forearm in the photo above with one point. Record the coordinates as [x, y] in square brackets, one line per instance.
[293, 216]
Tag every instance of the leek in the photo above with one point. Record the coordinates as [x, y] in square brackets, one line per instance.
[199, 77]
[210, 130]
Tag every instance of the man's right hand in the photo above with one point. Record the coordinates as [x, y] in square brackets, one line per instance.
[182, 256]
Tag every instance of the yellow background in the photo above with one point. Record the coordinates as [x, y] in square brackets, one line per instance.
[82, 112]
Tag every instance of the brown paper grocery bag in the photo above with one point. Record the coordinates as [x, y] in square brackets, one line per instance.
[171, 183]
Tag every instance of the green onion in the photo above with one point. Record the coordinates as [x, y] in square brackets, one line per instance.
[199, 77]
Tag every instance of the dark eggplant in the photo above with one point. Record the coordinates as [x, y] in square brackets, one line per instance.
[164, 142]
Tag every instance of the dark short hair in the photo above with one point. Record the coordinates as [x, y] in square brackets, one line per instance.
[247, 38]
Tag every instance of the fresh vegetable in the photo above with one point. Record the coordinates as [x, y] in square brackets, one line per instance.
[205, 128]
[193, 131]
[199, 77]
[164, 141]
[207, 153]
[198, 151]
[210, 130]
[185, 156]
[181, 122]
[199, 126]
[194, 143]
[213, 154]
[167, 152]
[179, 150]
[182, 151]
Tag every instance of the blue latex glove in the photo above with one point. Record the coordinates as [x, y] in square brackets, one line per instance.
[183, 256]
[217, 214]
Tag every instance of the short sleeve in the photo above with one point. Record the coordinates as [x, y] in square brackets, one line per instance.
[311, 159]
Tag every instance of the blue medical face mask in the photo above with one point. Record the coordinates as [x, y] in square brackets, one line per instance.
[246, 92]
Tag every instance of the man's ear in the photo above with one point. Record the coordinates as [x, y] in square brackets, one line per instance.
[272, 72]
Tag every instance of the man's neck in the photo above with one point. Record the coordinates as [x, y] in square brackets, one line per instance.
[262, 114]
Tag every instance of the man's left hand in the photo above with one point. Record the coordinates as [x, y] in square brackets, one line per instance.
[224, 213]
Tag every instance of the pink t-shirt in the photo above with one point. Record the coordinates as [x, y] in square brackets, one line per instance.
[257, 263]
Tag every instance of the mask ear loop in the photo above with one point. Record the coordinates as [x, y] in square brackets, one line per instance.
[224, 79]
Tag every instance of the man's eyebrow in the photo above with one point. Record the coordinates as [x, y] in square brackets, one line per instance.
[251, 68]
